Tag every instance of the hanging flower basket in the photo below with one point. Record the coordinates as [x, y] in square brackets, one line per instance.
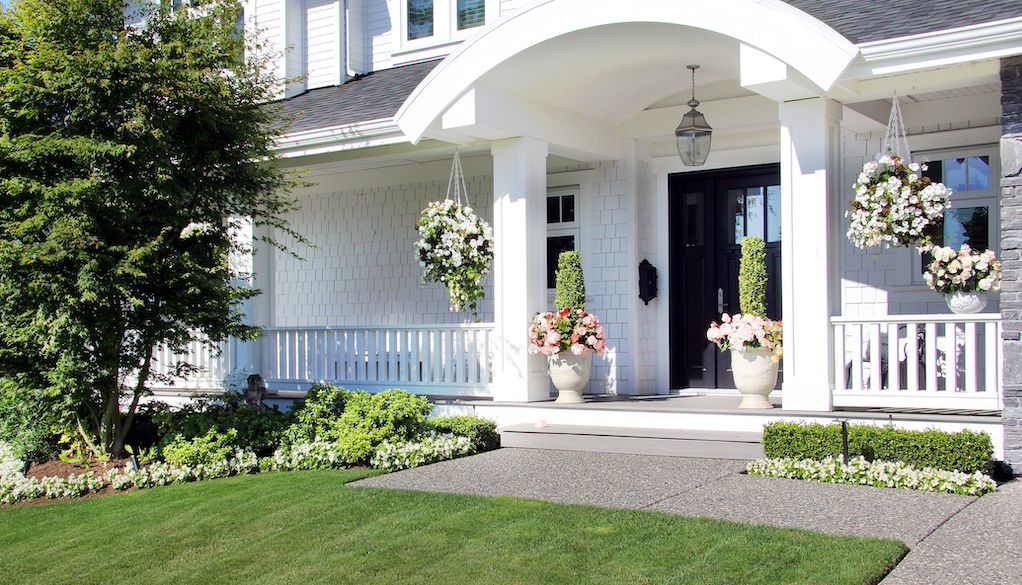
[455, 246]
[894, 205]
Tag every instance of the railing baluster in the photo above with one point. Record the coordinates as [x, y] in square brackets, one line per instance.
[970, 372]
[912, 357]
[893, 358]
[857, 357]
[992, 341]
[875, 366]
[393, 347]
[931, 357]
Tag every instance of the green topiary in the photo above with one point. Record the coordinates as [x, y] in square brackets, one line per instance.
[752, 277]
[571, 286]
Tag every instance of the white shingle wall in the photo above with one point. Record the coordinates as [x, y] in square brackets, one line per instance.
[608, 268]
[646, 315]
[364, 269]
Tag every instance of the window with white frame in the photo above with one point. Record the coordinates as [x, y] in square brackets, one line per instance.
[563, 232]
[432, 22]
[974, 215]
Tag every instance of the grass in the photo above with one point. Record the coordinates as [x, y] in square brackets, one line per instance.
[309, 527]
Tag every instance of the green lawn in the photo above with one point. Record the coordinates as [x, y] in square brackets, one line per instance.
[310, 528]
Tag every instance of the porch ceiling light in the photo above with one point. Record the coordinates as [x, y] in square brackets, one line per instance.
[693, 134]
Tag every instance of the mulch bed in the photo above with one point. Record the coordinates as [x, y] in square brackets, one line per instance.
[58, 468]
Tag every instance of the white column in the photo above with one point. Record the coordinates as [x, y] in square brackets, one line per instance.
[519, 207]
[254, 270]
[810, 173]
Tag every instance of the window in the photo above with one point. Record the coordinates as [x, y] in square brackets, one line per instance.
[973, 216]
[471, 13]
[562, 228]
[756, 212]
[429, 25]
[420, 19]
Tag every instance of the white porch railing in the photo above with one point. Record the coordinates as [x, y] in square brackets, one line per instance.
[212, 366]
[435, 359]
[918, 361]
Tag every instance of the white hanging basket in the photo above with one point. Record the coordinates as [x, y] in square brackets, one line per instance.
[455, 246]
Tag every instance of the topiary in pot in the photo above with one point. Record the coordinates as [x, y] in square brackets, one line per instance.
[571, 287]
[752, 277]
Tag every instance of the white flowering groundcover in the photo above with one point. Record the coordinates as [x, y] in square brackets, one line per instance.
[889, 474]
[962, 270]
[895, 205]
[15, 487]
[455, 248]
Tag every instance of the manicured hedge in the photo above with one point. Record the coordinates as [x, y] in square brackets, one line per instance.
[482, 432]
[965, 451]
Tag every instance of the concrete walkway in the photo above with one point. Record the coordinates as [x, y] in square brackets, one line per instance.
[954, 539]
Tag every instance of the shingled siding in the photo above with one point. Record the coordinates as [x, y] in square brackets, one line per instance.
[1011, 256]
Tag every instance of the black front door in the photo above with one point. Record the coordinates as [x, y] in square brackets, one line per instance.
[710, 213]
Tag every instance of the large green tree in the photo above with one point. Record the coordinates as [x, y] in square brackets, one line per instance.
[129, 152]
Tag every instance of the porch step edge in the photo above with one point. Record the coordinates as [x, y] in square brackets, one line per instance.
[636, 432]
[636, 441]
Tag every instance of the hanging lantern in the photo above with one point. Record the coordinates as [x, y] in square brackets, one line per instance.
[693, 134]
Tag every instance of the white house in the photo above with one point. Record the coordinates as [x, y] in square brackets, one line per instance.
[563, 112]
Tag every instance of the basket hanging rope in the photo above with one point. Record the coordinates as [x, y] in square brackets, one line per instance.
[456, 183]
[895, 137]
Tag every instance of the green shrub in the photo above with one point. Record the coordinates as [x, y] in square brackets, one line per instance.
[29, 422]
[482, 432]
[315, 415]
[257, 429]
[370, 419]
[752, 277]
[965, 451]
[571, 286]
[213, 447]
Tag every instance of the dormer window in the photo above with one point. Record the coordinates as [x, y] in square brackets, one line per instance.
[434, 22]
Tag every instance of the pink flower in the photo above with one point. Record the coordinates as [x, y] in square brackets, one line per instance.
[578, 349]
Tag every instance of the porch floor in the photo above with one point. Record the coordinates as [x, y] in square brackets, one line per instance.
[726, 404]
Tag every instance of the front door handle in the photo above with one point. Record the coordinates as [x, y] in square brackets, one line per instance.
[720, 301]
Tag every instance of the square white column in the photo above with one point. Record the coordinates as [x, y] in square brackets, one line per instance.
[810, 191]
[519, 231]
[254, 270]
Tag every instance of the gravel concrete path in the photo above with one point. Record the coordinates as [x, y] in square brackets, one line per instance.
[954, 539]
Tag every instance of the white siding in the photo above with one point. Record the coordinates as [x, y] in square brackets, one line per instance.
[323, 42]
[364, 269]
[381, 21]
[356, 35]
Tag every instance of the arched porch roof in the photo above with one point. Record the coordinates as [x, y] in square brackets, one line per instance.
[789, 35]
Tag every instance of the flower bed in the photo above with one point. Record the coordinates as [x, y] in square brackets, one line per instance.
[875, 473]
[894, 204]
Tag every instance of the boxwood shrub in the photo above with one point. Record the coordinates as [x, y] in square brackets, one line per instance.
[965, 451]
[482, 432]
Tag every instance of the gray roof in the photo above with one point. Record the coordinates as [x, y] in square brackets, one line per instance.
[379, 94]
[862, 21]
[372, 96]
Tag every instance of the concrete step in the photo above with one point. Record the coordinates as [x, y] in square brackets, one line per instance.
[636, 441]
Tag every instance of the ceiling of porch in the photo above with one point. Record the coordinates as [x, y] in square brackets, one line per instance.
[612, 72]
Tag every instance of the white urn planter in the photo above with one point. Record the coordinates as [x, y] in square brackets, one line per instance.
[755, 376]
[966, 303]
[570, 374]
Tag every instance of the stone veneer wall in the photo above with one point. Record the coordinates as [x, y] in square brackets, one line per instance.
[1011, 247]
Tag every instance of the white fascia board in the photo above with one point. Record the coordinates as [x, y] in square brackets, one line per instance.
[380, 132]
[989, 40]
